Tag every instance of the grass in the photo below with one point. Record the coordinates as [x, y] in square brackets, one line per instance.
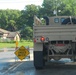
[13, 45]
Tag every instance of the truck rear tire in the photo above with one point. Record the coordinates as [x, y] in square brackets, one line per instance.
[74, 52]
[38, 59]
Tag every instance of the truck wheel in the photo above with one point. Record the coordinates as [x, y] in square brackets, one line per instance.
[38, 59]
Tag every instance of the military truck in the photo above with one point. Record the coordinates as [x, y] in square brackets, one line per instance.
[55, 39]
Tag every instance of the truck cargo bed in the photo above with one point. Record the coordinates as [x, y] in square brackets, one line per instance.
[60, 32]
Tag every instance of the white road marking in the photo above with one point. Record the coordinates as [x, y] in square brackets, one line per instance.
[12, 68]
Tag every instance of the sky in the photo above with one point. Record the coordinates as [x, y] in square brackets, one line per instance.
[18, 4]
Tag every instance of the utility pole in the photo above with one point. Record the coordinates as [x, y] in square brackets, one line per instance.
[55, 11]
[56, 6]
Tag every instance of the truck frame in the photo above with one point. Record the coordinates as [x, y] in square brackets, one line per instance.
[54, 40]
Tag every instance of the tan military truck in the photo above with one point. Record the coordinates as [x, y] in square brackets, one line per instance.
[54, 40]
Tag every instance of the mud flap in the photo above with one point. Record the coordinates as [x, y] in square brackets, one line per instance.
[38, 59]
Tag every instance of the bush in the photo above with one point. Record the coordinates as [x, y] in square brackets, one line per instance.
[6, 40]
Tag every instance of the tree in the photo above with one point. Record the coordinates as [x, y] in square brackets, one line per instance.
[49, 6]
[11, 25]
[27, 33]
[63, 7]
[9, 16]
[70, 6]
[28, 14]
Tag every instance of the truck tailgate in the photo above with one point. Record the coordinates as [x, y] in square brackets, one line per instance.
[61, 32]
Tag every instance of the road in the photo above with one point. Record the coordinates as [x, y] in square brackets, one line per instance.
[10, 66]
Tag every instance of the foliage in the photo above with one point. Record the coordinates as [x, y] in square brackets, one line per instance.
[70, 6]
[28, 14]
[63, 7]
[8, 19]
[13, 45]
[27, 33]
[16, 20]
[49, 6]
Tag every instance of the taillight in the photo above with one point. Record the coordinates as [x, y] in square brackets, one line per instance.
[42, 39]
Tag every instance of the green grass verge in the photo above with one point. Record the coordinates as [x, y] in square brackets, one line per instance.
[13, 45]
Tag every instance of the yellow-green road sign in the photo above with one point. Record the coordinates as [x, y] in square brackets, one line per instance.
[22, 53]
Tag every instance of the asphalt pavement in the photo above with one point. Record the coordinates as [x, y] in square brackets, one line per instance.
[11, 65]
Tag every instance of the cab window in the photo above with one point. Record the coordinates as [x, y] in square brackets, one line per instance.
[62, 19]
[56, 20]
